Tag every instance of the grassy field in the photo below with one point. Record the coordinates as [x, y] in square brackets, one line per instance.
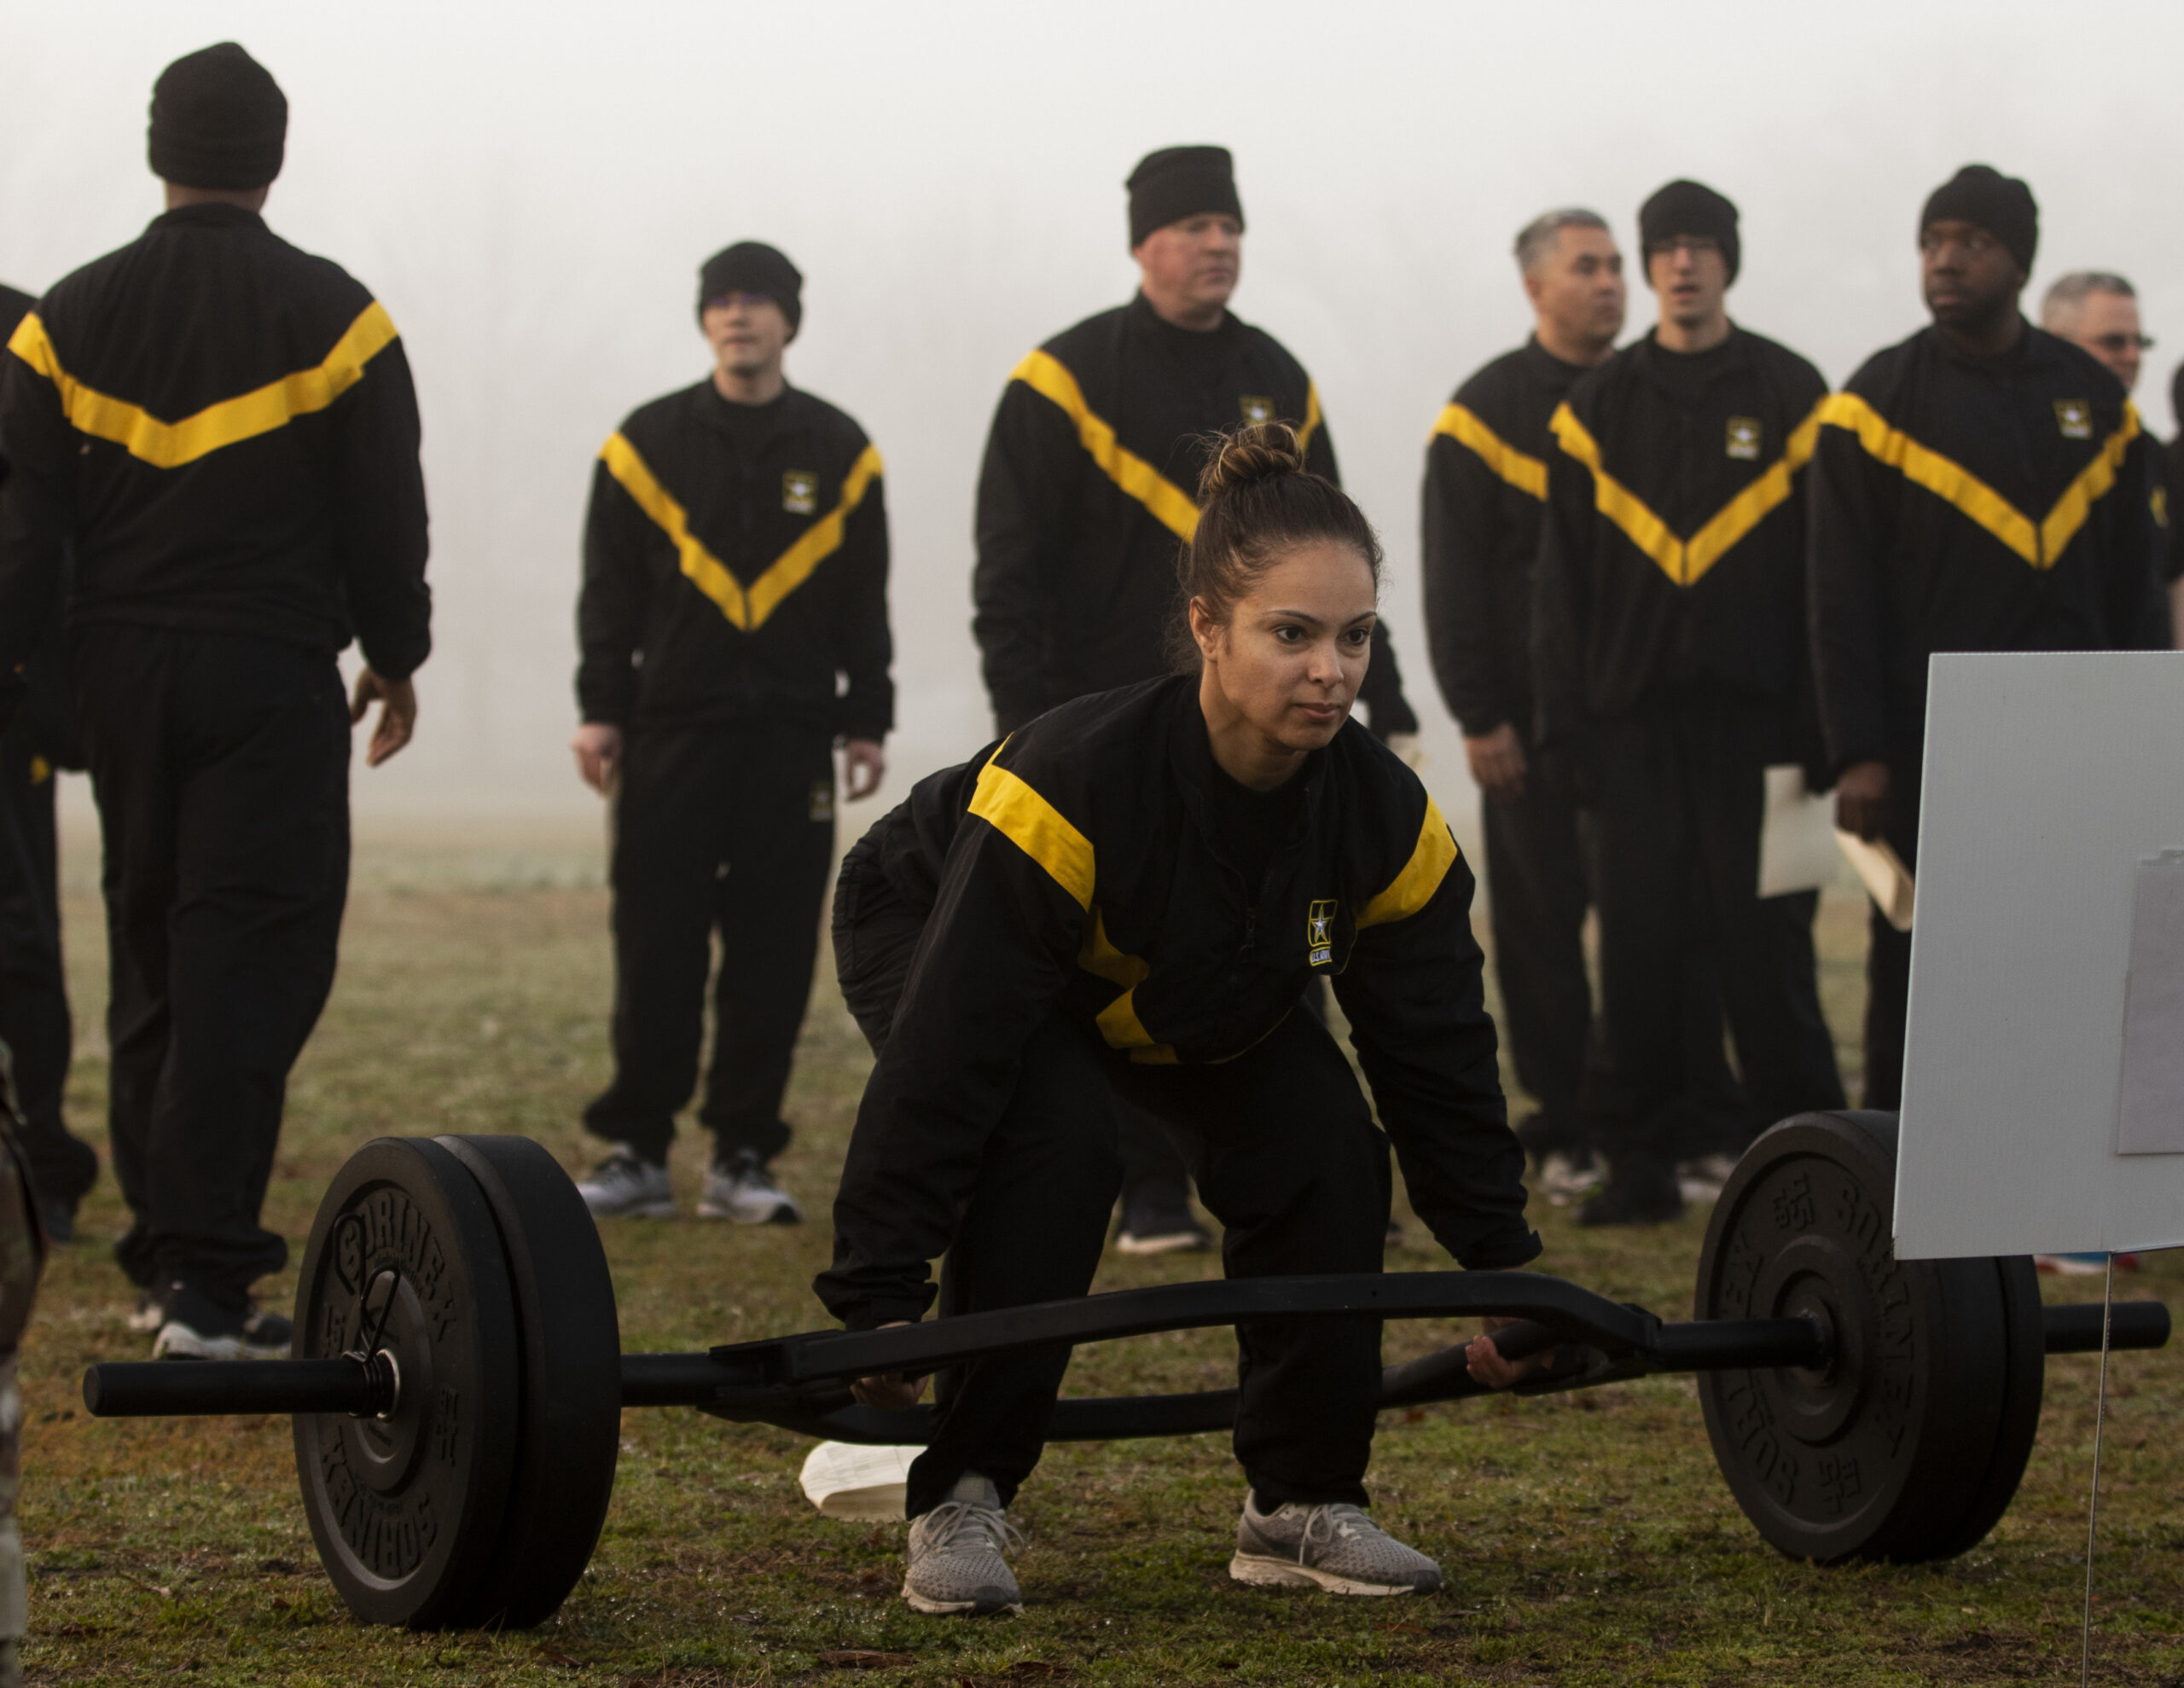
[1587, 1538]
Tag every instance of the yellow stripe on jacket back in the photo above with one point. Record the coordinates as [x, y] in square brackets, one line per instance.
[1523, 471]
[1422, 876]
[170, 445]
[1004, 801]
[1048, 376]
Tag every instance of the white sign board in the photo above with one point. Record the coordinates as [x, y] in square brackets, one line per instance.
[2053, 784]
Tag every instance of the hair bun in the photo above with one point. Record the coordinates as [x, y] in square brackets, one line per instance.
[1259, 451]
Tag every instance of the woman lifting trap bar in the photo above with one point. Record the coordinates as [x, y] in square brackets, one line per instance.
[1133, 891]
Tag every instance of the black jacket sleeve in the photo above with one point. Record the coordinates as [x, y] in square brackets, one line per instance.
[2139, 613]
[611, 606]
[993, 958]
[1462, 517]
[1028, 490]
[1414, 996]
[864, 646]
[37, 448]
[1561, 605]
[380, 535]
[1850, 520]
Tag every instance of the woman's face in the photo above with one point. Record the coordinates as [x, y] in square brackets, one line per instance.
[1293, 653]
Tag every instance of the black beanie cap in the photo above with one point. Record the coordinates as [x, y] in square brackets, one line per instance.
[218, 120]
[1689, 208]
[1982, 195]
[1180, 182]
[753, 267]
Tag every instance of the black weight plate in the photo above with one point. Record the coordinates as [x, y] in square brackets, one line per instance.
[2025, 1381]
[407, 1512]
[1894, 1449]
[570, 1344]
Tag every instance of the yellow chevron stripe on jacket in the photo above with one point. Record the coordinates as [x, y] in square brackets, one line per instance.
[1049, 377]
[1005, 802]
[1411, 889]
[1685, 561]
[2039, 544]
[745, 606]
[1523, 471]
[170, 445]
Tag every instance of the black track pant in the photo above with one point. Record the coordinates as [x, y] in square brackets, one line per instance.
[1888, 952]
[221, 767]
[1535, 877]
[726, 827]
[1537, 896]
[1286, 1157]
[1679, 796]
[34, 1019]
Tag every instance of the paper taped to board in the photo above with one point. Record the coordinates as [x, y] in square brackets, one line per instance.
[2150, 1115]
[1797, 837]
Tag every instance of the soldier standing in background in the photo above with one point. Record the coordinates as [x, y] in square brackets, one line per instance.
[1082, 508]
[221, 433]
[2098, 312]
[1486, 494]
[1669, 629]
[733, 625]
[1975, 489]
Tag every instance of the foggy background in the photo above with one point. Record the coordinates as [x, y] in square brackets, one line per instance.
[529, 190]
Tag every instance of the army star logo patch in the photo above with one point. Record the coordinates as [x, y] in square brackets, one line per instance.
[1256, 408]
[1744, 438]
[800, 492]
[1319, 932]
[2074, 417]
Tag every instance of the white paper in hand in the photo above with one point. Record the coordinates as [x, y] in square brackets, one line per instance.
[1796, 838]
[1886, 879]
[2150, 1119]
[845, 1479]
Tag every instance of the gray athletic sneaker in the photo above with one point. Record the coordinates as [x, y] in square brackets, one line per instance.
[627, 1185]
[958, 1563]
[740, 1189]
[1336, 1547]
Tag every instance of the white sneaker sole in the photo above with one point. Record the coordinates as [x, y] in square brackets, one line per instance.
[1168, 1243]
[956, 1609]
[179, 1342]
[1261, 1571]
[661, 1210]
[782, 1213]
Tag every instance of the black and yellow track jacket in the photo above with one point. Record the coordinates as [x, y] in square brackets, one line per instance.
[1486, 496]
[45, 724]
[735, 568]
[1087, 492]
[224, 430]
[1672, 559]
[1073, 865]
[1972, 504]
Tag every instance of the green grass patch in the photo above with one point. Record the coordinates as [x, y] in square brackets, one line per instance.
[1587, 1538]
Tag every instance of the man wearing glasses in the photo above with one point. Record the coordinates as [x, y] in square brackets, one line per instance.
[1982, 486]
[2099, 311]
[1670, 672]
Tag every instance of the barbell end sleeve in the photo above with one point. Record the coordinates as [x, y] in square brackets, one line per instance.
[2075, 1328]
[158, 1389]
